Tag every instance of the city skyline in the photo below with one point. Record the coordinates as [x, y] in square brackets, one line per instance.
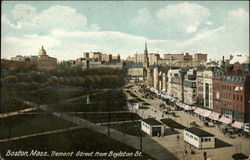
[67, 29]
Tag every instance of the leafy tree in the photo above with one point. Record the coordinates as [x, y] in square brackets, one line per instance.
[11, 79]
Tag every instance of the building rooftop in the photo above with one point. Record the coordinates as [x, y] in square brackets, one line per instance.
[152, 121]
[132, 101]
[199, 132]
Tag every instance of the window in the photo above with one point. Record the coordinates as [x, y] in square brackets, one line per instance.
[241, 98]
[237, 97]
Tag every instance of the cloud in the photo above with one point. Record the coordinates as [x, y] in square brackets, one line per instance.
[191, 29]
[186, 17]
[56, 16]
[142, 18]
[26, 45]
[209, 23]
[68, 33]
[23, 12]
[239, 14]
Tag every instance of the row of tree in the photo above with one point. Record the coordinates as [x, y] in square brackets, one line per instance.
[64, 75]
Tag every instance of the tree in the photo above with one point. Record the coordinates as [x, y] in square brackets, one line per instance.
[53, 80]
[11, 79]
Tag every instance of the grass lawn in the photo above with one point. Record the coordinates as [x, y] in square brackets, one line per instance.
[47, 95]
[24, 124]
[112, 100]
[131, 128]
[83, 140]
[93, 107]
[172, 124]
[10, 105]
[104, 117]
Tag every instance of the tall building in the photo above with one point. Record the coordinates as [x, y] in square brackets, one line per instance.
[200, 57]
[153, 58]
[207, 89]
[199, 87]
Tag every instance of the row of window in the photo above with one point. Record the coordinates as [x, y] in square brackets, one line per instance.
[191, 136]
[205, 139]
[232, 88]
[232, 96]
[232, 106]
[147, 126]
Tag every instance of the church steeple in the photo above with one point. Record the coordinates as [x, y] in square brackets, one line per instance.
[146, 62]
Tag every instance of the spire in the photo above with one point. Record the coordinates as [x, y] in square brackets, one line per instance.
[146, 62]
[42, 47]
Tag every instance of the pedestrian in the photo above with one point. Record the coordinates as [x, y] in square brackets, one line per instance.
[205, 155]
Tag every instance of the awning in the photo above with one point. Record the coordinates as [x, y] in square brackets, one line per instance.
[237, 124]
[194, 107]
[225, 120]
[187, 107]
[202, 112]
[214, 116]
[184, 106]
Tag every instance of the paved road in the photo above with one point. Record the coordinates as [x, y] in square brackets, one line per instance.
[228, 146]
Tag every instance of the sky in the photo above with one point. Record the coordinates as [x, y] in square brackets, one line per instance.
[67, 29]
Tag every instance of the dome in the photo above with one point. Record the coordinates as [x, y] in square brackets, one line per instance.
[42, 51]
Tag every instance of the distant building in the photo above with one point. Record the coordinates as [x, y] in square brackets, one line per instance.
[45, 62]
[153, 58]
[136, 73]
[200, 57]
[24, 58]
[174, 57]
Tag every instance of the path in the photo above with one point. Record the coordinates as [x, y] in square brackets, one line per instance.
[41, 133]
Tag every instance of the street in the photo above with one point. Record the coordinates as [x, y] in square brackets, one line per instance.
[177, 147]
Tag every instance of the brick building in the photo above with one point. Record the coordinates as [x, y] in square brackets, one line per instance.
[231, 96]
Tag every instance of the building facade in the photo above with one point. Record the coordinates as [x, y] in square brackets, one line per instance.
[231, 96]
[207, 89]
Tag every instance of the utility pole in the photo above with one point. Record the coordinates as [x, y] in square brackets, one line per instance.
[140, 143]
[109, 124]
